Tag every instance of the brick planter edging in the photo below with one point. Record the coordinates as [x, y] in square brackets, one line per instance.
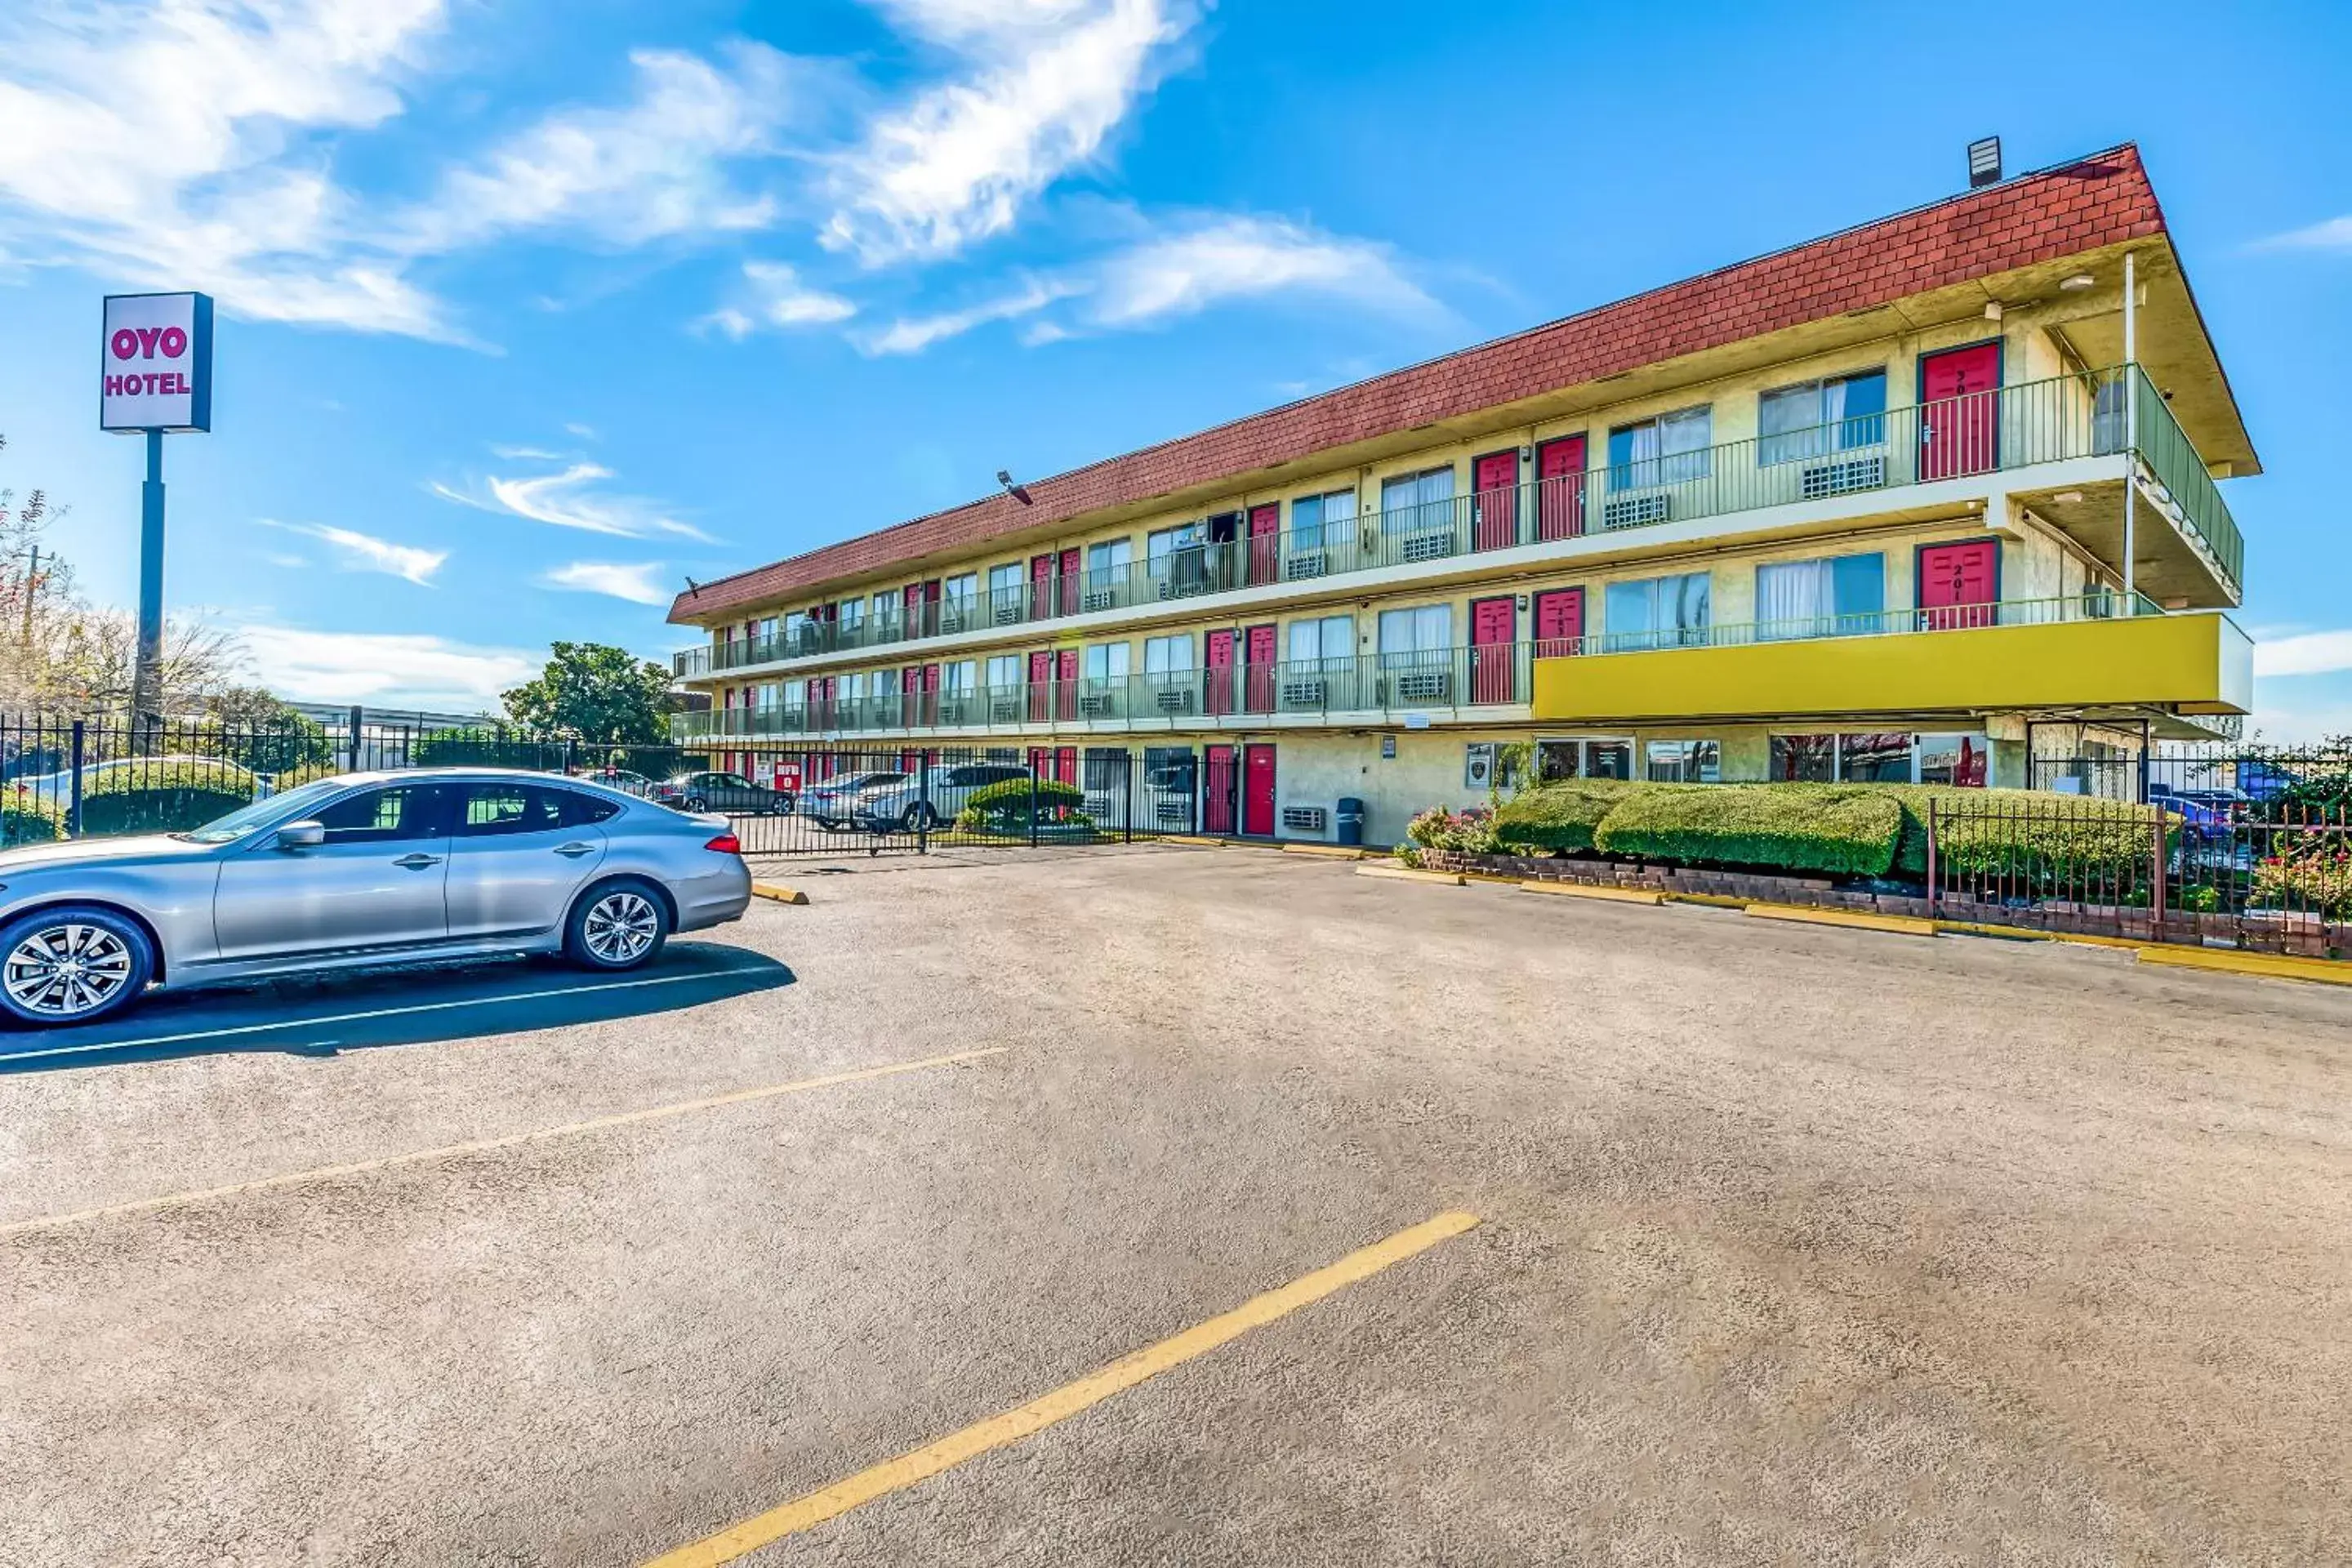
[2304, 935]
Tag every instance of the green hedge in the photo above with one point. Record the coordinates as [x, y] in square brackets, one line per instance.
[1844, 830]
[2062, 830]
[1561, 814]
[1004, 807]
[161, 798]
[29, 824]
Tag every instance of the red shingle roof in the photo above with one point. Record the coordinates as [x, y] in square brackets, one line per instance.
[2096, 201]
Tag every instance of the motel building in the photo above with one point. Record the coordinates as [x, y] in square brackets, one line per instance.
[1932, 499]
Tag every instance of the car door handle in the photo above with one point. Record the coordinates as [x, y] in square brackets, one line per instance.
[418, 862]
[572, 851]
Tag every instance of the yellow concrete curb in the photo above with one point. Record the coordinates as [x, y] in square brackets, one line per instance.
[1805, 914]
[1195, 839]
[2029, 933]
[2278, 966]
[1407, 874]
[1712, 901]
[1328, 851]
[1594, 890]
[779, 893]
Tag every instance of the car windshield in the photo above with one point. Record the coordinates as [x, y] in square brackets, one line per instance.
[873, 781]
[256, 814]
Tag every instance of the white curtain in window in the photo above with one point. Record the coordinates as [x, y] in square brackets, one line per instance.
[1163, 656]
[1793, 598]
[1789, 422]
[1339, 517]
[1426, 628]
[1683, 440]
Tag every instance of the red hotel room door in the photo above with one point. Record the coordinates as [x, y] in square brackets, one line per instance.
[1560, 487]
[1071, 560]
[1960, 430]
[1065, 684]
[1066, 765]
[1217, 791]
[1041, 686]
[930, 694]
[1257, 672]
[1258, 791]
[1266, 542]
[1041, 586]
[1494, 500]
[1959, 584]
[1559, 622]
[1220, 671]
[1493, 628]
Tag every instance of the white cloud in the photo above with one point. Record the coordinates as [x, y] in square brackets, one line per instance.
[572, 498]
[169, 145]
[958, 163]
[359, 552]
[389, 669]
[914, 334]
[630, 581]
[2308, 653]
[1203, 261]
[774, 296]
[2335, 233]
[649, 169]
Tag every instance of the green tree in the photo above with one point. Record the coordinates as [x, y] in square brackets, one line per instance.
[596, 693]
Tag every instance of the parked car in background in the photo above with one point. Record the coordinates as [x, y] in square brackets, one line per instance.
[723, 792]
[2203, 813]
[833, 804]
[360, 871]
[931, 798]
[622, 779]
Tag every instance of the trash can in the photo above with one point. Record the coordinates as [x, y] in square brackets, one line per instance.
[1352, 820]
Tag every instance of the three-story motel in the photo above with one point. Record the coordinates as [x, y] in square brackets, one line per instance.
[1930, 499]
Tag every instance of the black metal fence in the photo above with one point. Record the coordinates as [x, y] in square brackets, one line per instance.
[2254, 774]
[62, 778]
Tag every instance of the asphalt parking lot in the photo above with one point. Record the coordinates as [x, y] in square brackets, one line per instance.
[1790, 1244]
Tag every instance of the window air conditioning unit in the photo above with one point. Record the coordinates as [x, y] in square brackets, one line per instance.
[1421, 685]
[1175, 699]
[1843, 476]
[1310, 565]
[1004, 711]
[1097, 705]
[1637, 511]
[1434, 545]
[1007, 615]
[1302, 693]
[1100, 599]
[1303, 818]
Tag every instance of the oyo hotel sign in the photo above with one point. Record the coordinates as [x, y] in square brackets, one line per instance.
[156, 362]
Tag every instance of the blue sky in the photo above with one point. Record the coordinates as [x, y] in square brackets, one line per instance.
[530, 309]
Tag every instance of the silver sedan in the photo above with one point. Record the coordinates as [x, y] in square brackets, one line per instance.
[364, 870]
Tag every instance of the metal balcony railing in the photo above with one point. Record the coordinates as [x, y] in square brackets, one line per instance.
[2006, 428]
[2098, 604]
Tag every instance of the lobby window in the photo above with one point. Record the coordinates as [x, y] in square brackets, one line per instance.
[1684, 762]
[1422, 634]
[1804, 759]
[1835, 596]
[1953, 759]
[1328, 518]
[1816, 417]
[1657, 612]
[1328, 639]
[1412, 503]
[1666, 450]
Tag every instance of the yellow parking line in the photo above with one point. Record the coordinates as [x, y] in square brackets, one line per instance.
[485, 1145]
[1012, 1425]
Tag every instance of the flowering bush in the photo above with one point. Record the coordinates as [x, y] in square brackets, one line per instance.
[2315, 879]
[1440, 827]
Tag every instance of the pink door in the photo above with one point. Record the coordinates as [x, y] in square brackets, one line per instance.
[1066, 685]
[1959, 422]
[1041, 761]
[1217, 791]
[1559, 622]
[1070, 573]
[1041, 586]
[1959, 584]
[1266, 542]
[1494, 627]
[1066, 765]
[1041, 686]
[1257, 677]
[1220, 672]
[1258, 791]
[910, 688]
[1495, 501]
[1560, 487]
[930, 694]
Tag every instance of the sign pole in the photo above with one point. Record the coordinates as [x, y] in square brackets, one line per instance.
[147, 677]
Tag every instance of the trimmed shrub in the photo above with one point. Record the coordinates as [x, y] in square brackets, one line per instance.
[1844, 830]
[484, 748]
[1440, 827]
[1004, 807]
[28, 824]
[1563, 814]
[163, 798]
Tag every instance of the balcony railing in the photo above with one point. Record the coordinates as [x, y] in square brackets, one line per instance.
[2010, 428]
[2098, 604]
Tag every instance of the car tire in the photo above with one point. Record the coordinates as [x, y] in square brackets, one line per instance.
[618, 925]
[694, 803]
[101, 961]
[918, 819]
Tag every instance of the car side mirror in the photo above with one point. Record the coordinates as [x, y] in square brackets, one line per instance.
[301, 836]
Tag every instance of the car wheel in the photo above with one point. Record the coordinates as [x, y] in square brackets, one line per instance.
[918, 819]
[616, 925]
[694, 803]
[73, 965]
